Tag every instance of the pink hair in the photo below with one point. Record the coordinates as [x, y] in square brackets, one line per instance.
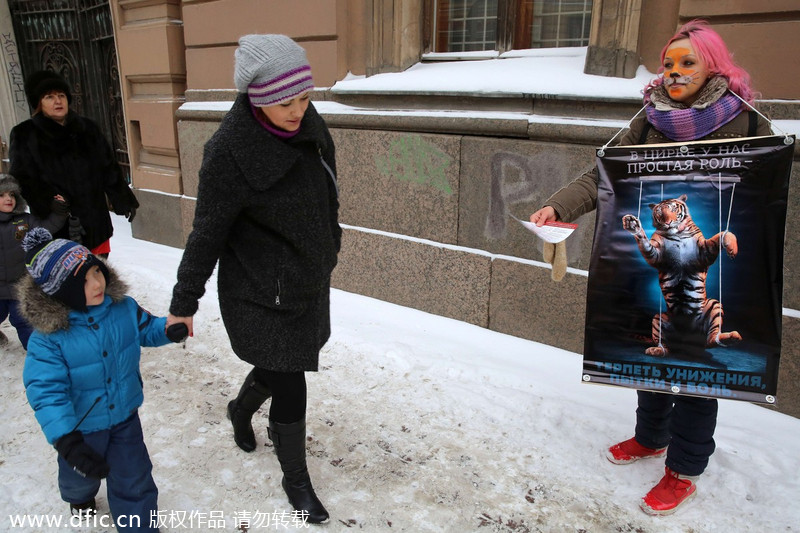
[710, 47]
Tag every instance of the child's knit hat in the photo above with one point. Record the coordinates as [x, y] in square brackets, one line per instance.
[9, 184]
[271, 69]
[59, 267]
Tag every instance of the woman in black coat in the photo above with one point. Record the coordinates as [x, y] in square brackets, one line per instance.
[58, 152]
[267, 210]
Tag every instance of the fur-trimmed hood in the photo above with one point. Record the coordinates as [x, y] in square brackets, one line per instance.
[47, 314]
[9, 184]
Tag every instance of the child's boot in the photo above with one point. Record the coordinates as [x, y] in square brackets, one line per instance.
[251, 397]
[672, 491]
[290, 446]
[629, 451]
[84, 510]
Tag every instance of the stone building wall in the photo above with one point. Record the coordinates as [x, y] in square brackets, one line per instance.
[424, 204]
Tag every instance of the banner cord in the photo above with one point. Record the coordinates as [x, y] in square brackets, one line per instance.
[787, 140]
[639, 212]
[661, 300]
[723, 233]
[601, 152]
[787, 137]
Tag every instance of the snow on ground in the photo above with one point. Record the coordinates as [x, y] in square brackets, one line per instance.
[416, 423]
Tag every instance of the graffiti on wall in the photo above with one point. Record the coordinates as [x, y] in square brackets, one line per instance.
[411, 158]
[14, 69]
[530, 180]
[513, 181]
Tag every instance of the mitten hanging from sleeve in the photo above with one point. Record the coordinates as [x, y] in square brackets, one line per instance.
[556, 255]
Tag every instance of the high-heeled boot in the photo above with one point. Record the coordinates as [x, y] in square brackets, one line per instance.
[251, 397]
[290, 446]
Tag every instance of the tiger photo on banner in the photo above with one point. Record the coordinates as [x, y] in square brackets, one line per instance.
[686, 275]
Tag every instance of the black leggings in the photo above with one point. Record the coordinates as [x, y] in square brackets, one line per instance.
[288, 394]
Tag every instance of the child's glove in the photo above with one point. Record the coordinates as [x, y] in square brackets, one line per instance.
[81, 457]
[59, 207]
[177, 332]
[556, 255]
[76, 231]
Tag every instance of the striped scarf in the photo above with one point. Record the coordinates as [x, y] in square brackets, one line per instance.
[688, 124]
[283, 134]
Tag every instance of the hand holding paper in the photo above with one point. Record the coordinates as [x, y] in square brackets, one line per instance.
[552, 232]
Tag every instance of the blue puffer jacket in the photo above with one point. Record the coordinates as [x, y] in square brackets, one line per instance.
[85, 364]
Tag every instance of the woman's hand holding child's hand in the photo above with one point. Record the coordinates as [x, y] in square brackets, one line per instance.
[187, 321]
[177, 332]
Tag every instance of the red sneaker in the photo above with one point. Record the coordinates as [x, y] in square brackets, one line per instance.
[630, 451]
[671, 492]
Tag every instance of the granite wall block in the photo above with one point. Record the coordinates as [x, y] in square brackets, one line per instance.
[158, 217]
[788, 397]
[437, 279]
[791, 252]
[502, 177]
[526, 302]
[193, 136]
[403, 183]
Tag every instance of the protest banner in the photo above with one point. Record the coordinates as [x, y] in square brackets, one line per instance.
[685, 279]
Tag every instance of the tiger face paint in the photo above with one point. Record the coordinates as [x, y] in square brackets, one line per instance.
[684, 72]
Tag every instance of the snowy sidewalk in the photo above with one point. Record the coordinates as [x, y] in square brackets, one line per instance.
[416, 423]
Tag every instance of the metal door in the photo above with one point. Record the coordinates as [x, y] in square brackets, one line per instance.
[76, 39]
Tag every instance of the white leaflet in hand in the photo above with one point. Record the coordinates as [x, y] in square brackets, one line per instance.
[552, 232]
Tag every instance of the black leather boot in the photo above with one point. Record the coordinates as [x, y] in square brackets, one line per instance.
[251, 396]
[290, 446]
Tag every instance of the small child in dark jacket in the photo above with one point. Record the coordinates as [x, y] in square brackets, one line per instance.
[14, 224]
[82, 376]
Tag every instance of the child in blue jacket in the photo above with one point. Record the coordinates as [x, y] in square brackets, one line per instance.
[82, 376]
[14, 224]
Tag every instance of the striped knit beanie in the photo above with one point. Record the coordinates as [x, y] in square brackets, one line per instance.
[59, 266]
[271, 69]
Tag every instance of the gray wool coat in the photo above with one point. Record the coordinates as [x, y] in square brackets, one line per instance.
[267, 210]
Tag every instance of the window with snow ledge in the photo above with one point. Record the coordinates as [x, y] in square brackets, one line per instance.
[468, 29]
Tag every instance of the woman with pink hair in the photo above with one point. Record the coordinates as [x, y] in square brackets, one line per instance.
[710, 47]
[699, 94]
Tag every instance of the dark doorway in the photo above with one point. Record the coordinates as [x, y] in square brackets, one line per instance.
[76, 39]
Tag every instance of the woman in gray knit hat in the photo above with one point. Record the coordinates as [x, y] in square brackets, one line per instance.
[267, 210]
